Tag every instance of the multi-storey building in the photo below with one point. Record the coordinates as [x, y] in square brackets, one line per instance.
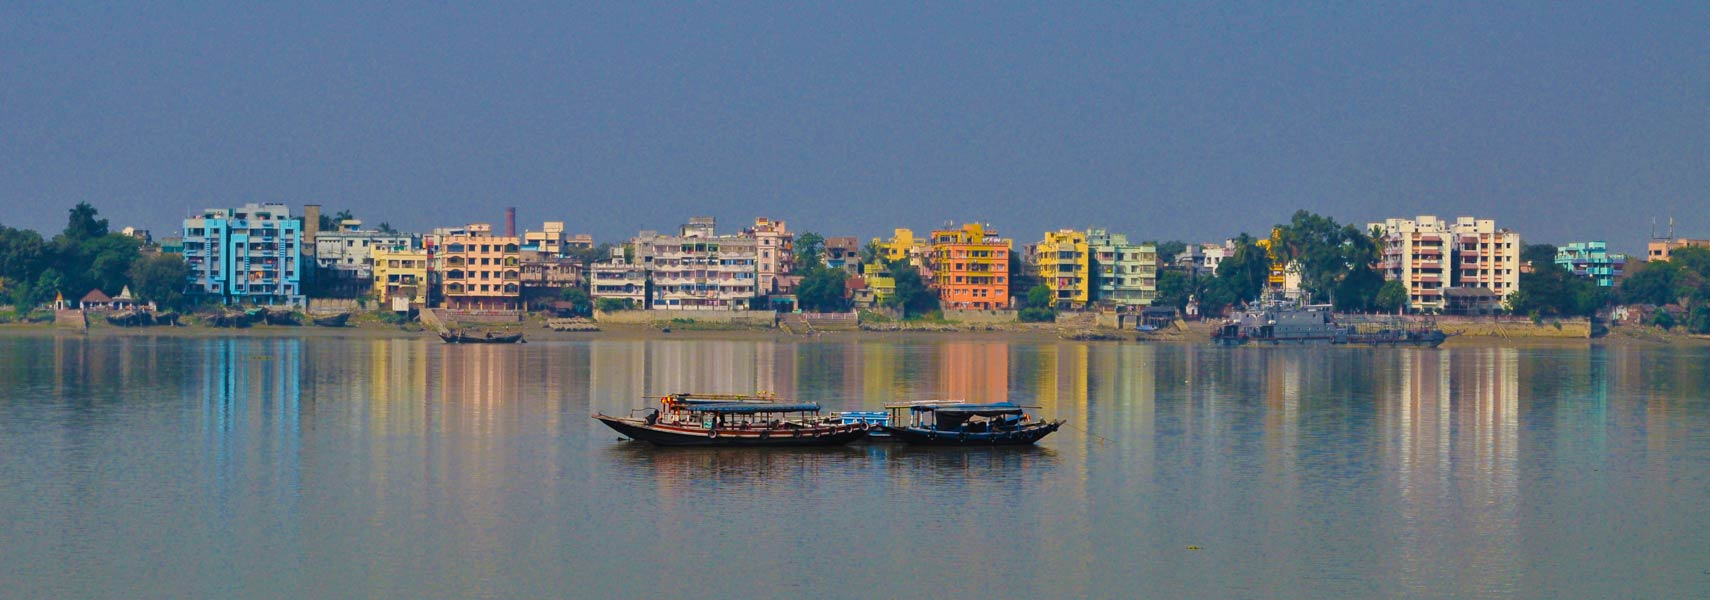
[1063, 264]
[878, 283]
[479, 270]
[618, 278]
[1429, 255]
[699, 270]
[344, 258]
[401, 274]
[1662, 249]
[903, 247]
[251, 254]
[1123, 274]
[843, 252]
[550, 241]
[1593, 260]
[776, 259]
[970, 267]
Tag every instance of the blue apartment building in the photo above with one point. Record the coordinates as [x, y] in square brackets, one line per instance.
[1592, 259]
[248, 255]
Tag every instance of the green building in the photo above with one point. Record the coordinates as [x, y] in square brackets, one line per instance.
[1124, 274]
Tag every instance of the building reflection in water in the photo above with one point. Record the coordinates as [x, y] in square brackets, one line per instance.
[624, 374]
[1452, 423]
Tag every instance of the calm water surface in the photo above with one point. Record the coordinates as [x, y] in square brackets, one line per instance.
[282, 467]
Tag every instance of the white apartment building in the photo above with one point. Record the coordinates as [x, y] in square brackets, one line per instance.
[1430, 256]
[618, 278]
[699, 270]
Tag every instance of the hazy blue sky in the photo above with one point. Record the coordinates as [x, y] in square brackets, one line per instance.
[1164, 121]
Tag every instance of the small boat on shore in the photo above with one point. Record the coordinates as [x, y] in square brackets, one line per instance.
[963, 424]
[462, 337]
[280, 316]
[733, 420]
[130, 318]
[228, 318]
[337, 320]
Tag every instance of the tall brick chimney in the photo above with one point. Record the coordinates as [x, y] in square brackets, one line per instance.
[311, 227]
[510, 221]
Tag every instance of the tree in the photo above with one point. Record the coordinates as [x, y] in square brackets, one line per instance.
[613, 304]
[1649, 283]
[160, 278]
[83, 225]
[1358, 289]
[912, 297]
[810, 248]
[1391, 296]
[87, 256]
[1698, 319]
[48, 284]
[1242, 276]
[386, 228]
[1692, 257]
[331, 223]
[23, 254]
[1036, 305]
[1172, 289]
[580, 303]
[1552, 290]
[1538, 254]
[823, 290]
[871, 253]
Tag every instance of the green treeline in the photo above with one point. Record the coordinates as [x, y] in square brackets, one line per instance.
[1337, 265]
[83, 257]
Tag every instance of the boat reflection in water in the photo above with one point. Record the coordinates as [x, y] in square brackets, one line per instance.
[733, 420]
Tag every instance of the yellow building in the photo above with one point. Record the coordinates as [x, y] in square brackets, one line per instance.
[1064, 266]
[401, 272]
[902, 246]
[1279, 269]
[880, 281]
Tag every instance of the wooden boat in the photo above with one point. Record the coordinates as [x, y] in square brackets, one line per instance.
[280, 316]
[229, 318]
[733, 420]
[461, 337]
[963, 424]
[130, 318]
[337, 320]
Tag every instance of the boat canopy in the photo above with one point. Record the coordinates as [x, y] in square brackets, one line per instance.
[753, 407]
[971, 410]
[684, 398]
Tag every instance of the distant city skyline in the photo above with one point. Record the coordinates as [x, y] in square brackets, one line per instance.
[1562, 122]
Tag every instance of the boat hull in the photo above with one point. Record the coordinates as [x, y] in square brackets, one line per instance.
[932, 437]
[452, 338]
[665, 435]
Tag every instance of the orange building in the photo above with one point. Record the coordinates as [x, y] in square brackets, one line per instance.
[480, 271]
[970, 267]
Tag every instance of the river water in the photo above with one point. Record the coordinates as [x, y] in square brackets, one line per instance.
[142, 467]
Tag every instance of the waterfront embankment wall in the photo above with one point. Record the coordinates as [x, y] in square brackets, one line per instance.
[981, 317]
[763, 318]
